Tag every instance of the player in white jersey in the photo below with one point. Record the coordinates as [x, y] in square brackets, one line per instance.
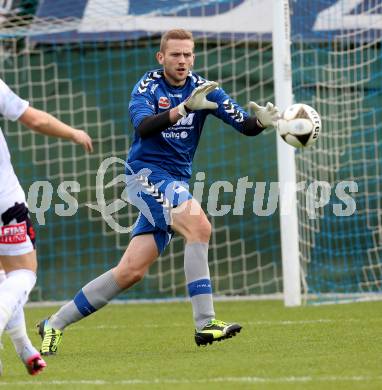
[18, 262]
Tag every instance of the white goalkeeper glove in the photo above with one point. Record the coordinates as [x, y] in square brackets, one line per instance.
[197, 100]
[266, 116]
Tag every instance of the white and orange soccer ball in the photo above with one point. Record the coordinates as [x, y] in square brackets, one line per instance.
[299, 125]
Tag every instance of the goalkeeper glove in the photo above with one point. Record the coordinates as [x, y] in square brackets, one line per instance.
[197, 100]
[266, 116]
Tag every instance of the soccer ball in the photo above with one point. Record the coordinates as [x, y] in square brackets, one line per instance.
[299, 125]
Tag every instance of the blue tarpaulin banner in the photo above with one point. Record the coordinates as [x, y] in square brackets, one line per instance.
[102, 20]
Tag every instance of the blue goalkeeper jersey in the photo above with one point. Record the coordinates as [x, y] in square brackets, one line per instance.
[174, 148]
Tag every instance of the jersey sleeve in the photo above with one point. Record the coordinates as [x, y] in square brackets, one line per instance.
[142, 103]
[228, 110]
[11, 105]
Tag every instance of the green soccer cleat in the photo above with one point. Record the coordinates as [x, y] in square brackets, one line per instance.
[216, 330]
[51, 338]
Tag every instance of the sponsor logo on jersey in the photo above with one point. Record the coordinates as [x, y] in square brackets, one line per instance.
[175, 95]
[175, 134]
[186, 121]
[13, 234]
[164, 102]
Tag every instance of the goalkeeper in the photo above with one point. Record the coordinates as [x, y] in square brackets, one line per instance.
[168, 109]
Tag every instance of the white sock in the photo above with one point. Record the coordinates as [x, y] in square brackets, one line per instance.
[17, 331]
[14, 292]
[16, 328]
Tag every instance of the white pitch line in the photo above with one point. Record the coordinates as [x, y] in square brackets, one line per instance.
[304, 322]
[159, 381]
[244, 323]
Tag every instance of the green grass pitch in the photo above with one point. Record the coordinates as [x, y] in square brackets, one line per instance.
[151, 346]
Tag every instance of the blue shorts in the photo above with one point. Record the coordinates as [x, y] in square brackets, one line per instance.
[155, 192]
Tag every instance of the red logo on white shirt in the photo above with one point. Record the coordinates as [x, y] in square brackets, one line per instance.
[13, 234]
[164, 102]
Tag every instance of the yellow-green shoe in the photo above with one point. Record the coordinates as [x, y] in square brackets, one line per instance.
[216, 330]
[51, 338]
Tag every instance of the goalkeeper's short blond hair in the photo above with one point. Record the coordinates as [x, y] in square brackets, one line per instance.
[176, 33]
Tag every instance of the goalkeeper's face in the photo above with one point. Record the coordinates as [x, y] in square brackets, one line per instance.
[177, 60]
